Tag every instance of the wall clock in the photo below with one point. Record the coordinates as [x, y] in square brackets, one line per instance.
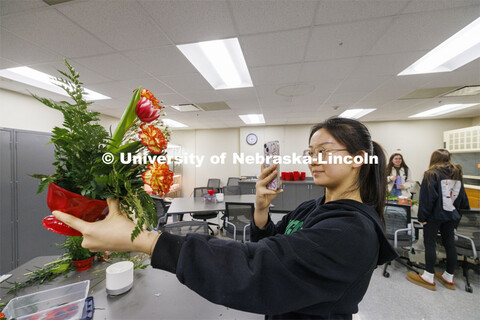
[252, 139]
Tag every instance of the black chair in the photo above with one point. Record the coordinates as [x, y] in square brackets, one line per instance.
[161, 209]
[183, 228]
[467, 241]
[214, 184]
[415, 191]
[399, 233]
[231, 190]
[198, 193]
[238, 216]
[233, 181]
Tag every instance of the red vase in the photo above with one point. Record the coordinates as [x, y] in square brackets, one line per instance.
[77, 205]
[84, 264]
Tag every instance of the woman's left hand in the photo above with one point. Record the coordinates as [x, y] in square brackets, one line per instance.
[110, 234]
[422, 223]
[401, 187]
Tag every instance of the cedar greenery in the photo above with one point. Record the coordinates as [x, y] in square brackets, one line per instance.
[79, 147]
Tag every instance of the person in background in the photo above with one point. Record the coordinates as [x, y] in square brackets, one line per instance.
[316, 263]
[441, 196]
[399, 176]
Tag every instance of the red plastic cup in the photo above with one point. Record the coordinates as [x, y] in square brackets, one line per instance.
[77, 205]
[211, 192]
[283, 175]
[302, 176]
[296, 175]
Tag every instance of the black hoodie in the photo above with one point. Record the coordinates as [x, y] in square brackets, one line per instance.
[314, 264]
[441, 197]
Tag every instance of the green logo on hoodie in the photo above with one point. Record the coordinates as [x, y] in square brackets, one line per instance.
[293, 226]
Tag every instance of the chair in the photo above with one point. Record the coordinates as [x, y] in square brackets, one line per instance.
[161, 209]
[415, 191]
[231, 190]
[399, 232]
[183, 228]
[200, 192]
[214, 184]
[238, 216]
[233, 181]
[467, 241]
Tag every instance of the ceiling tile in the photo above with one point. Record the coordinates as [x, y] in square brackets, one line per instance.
[192, 21]
[87, 76]
[328, 70]
[153, 85]
[193, 82]
[124, 25]
[363, 84]
[346, 11]
[345, 40]
[50, 29]
[255, 16]
[162, 61]
[274, 48]
[15, 6]
[386, 64]
[5, 63]
[240, 93]
[422, 6]
[171, 99]
[275, 74]
[114, 66]
[22, 51]
[414, 32]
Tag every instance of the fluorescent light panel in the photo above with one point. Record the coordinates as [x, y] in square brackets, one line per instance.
[355, 113]
[173, 124]
[44, 81]
[456, 51]
[220, 62]
[252, 118]
[447, 108]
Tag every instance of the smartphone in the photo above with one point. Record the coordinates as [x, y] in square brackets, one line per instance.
[271, 149]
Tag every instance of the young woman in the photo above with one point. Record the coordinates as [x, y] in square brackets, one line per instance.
[399, 176]
[318, 269]
[441, 196]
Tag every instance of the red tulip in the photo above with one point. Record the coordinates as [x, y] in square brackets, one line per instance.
[145, 110]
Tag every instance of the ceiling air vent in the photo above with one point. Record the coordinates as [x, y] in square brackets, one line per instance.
[464, 91]
[54, 2]
[186, 107]
[213, 106]
[428, 93]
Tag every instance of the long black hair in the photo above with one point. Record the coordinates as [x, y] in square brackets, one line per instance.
[372, 178]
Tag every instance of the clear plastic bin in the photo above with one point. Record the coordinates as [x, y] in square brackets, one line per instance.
[64, 303]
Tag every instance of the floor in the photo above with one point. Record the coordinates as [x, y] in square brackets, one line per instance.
[396, 298]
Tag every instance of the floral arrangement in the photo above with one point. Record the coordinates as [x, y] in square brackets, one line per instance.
[87, 157]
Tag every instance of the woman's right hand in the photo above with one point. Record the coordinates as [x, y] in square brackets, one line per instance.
[264, 196]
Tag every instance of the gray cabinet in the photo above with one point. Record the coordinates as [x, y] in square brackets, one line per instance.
[294, 193]
[22, 236]
[247, 187]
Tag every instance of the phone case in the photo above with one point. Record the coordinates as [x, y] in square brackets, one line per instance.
[272, 148]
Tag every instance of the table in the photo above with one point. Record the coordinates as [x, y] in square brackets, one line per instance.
[198, 205]
[156, 294]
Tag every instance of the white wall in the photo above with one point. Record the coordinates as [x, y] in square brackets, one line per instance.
[19, 111]
[207, 143]
[415, 139]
